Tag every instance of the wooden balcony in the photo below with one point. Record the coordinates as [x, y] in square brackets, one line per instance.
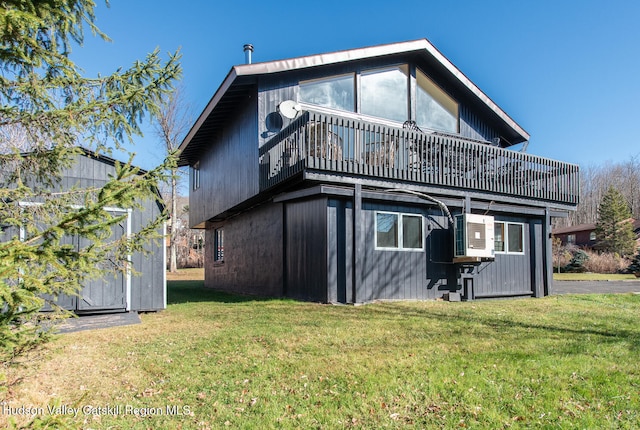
[346, 146]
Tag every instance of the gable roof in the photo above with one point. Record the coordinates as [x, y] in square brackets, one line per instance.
[589, 227]
[242, 78]
[574, 228]
[103, 158]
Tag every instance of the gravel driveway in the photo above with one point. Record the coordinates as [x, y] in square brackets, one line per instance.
[597, 287]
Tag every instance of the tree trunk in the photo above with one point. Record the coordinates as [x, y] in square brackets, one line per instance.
[173, 246]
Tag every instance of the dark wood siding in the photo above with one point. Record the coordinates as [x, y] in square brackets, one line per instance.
[108, 292]
[229, 168]
[272, 92]
[253, 253]
[147, 287]
[406, 275]
[537, 257]
[427, 274]
[508, 274]
[473, 127]
[145, 291]
[339, 251]
[582, 238]
[306, 244]
[306, 250]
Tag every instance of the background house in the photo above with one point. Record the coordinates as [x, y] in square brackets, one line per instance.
[189, 242]
[336, 178]
[115, 292]
[584, 235]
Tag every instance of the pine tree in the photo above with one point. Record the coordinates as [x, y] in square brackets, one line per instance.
[614, 230]
[634, 267]
[46, 100]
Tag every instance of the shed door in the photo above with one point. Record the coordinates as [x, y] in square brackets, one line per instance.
[108, 292]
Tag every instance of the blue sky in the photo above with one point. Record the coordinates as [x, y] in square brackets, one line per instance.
[566, 71]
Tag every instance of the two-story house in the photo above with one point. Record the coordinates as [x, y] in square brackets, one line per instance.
[341, 177]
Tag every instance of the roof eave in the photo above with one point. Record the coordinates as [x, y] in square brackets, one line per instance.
[220, 92]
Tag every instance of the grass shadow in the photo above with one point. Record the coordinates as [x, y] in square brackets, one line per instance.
[194, 292]
[510, 322]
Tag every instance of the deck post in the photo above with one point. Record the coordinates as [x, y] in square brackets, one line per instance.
[548, 252]
[358, 240]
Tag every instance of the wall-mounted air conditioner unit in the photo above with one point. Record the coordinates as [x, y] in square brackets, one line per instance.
[474, 236]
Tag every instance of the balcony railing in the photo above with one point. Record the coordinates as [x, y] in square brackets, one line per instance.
[317, 141]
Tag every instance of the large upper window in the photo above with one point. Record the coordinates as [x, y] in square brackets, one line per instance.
[398, 231]
[434, 108]
[509, 237]
[336, 92]
[385, 93]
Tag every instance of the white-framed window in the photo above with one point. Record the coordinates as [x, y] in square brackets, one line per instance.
[218, 245]
[509, 237]
[195, 176]
[399, 231]
[592, 236]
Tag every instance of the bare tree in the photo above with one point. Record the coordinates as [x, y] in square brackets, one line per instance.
[595, 180]
[14, 137]
[171, 125]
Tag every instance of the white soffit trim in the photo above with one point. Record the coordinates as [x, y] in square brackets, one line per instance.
[330, 58]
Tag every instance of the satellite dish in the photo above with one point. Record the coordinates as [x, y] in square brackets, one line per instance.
[289, 109]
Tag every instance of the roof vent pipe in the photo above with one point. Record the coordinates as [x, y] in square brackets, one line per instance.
[248, 50]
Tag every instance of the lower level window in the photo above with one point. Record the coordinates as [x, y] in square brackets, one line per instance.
[195, 175]
[509, 237]
[398, 231]
[218, 243]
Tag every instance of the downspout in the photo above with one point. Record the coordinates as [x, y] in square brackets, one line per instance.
[442, 206]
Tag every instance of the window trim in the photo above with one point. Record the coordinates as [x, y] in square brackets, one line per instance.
[400, 238]
[195, 172]
[218, 251]
[413, 70]
[505, 239]
[444, 92]
[354, 82]
[404, 68]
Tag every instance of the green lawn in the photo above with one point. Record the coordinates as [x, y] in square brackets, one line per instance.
[213, 360]
[593, 277]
